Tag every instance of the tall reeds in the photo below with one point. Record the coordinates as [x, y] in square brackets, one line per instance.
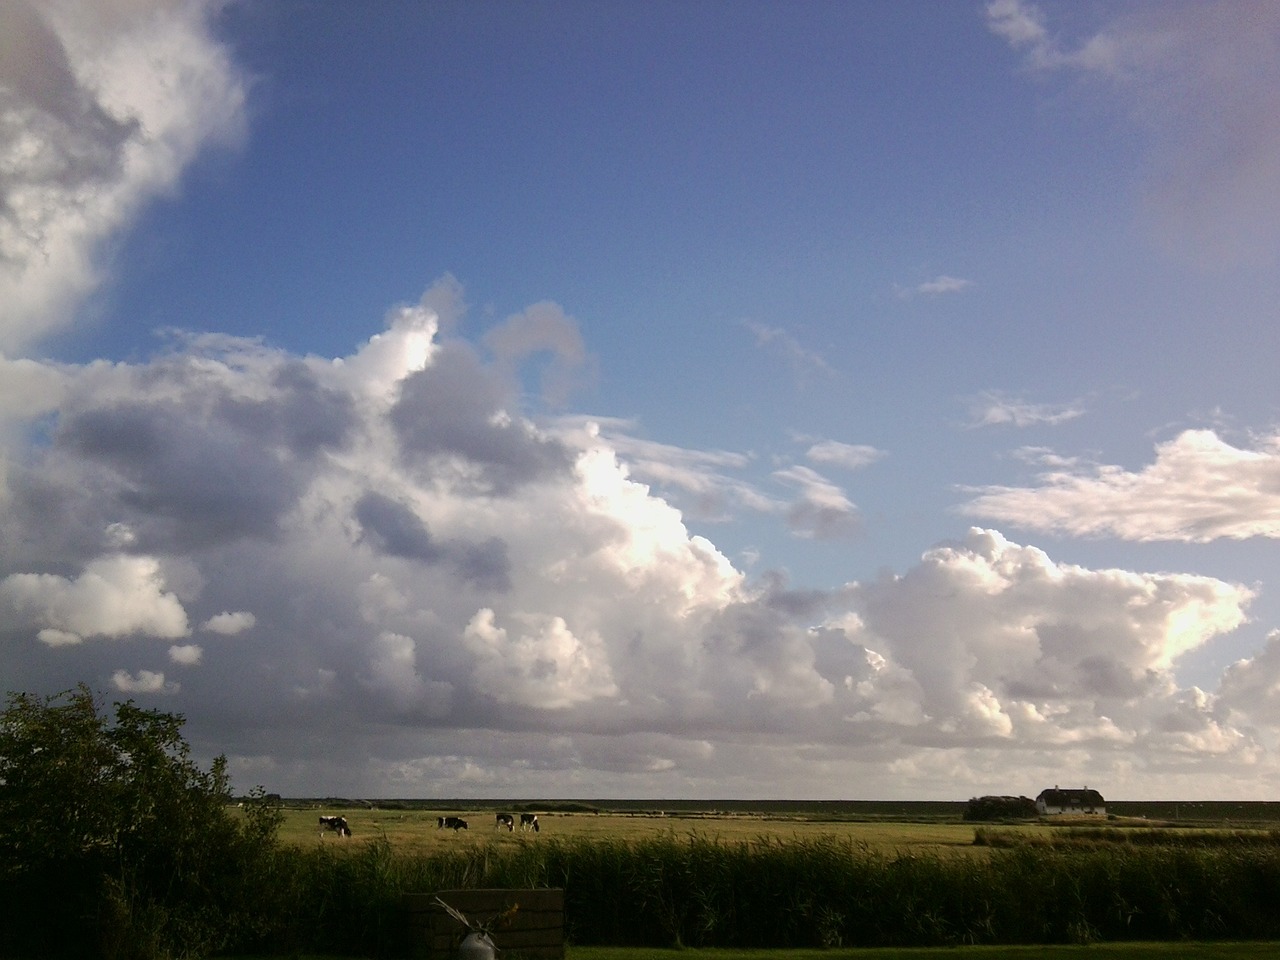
[702, 891]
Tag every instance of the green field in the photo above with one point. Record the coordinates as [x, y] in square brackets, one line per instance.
[786, 879]
[414, 831]
[906, 827]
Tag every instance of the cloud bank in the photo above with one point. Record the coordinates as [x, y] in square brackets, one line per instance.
[385, 548]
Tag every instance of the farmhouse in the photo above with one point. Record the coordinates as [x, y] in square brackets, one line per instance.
[1059, 801]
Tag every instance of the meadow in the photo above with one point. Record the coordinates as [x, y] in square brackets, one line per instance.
[416, 831]
[784, 878]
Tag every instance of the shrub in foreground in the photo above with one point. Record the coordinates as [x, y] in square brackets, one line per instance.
[119, 845]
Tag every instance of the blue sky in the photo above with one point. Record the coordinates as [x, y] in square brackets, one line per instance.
[650, 399]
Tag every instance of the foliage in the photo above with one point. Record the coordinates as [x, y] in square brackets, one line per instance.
[775, 893]
[118, 844]
[999, 808]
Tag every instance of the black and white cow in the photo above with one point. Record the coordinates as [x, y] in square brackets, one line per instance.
[336, 825]
[529, 821]
[453, 823]
[504, 820]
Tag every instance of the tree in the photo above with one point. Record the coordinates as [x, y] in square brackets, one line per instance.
[118, 844]
[999, 808]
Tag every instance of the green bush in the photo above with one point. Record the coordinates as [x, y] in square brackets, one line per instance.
[118, 844]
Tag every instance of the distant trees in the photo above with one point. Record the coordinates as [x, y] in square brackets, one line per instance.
[1000, 808]
[117, 844]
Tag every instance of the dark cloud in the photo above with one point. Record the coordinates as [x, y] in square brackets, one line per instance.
[392, 528]
[301, 415]
[180, 477]
[456, 408]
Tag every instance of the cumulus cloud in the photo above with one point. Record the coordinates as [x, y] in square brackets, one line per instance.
[114, 597]
[994, 639]
[1203, 79]
[1199, 488]
[228, 624]
[994, 408]
[102, 106]
[543, 666]
[186, 654]
[705, 483]
[146, 681]
[483, 603]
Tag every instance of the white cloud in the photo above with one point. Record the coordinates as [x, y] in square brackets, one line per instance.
[850, 456]
[229, 624]
[993, 408]
[943, 284]
[1199, 489]
[101, 109]
[114, 597]
[545, 666]
[58, 638]
[701, 482]
[424, 563]
[990, 637]
[186, 654]
[146, 681]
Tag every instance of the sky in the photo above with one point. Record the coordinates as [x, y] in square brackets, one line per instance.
[700, 399]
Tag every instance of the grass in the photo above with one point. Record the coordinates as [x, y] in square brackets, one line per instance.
[652, 879]
[416, 830]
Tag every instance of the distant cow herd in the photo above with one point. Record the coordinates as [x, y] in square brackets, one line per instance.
[528, 821]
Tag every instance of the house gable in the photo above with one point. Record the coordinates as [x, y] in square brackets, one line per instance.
[1059, 801]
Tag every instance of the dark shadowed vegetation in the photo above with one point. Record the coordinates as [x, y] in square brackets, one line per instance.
[117, 844]
[121, 847]
[1000, 808]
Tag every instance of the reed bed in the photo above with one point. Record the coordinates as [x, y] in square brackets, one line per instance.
[695, 890]
[1082, 837]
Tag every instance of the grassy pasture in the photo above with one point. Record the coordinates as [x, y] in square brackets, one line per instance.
[416, 830]
[412, 828]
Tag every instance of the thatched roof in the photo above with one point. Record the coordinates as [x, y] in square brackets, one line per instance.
[1083, 797]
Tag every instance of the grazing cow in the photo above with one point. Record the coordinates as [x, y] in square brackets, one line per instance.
[529, 821]
[453, 823]
[504, 820]
[336, 825]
